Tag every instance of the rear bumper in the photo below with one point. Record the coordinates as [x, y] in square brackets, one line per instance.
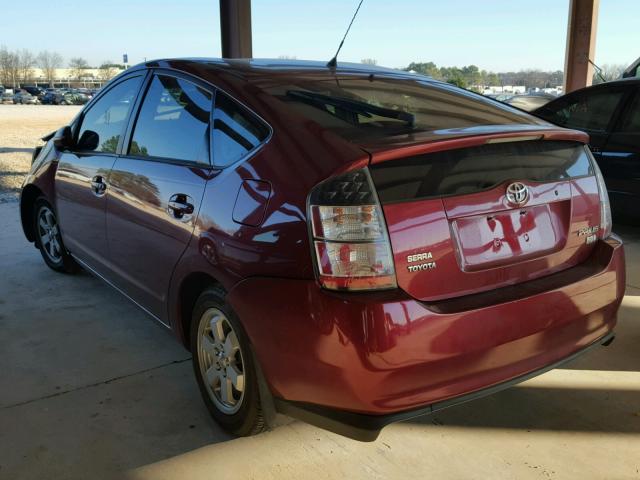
[384, 357]
[366, 428]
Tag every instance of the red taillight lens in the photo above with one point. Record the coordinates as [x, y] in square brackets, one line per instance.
[606, 222]
[350, 237]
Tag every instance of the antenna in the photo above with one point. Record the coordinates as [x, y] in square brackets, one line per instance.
[334, 61]
[598, 70]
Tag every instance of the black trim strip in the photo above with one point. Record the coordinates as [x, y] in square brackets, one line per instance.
[366, 428]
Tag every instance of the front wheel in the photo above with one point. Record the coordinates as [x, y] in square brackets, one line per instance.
[224, 366]
[48, 239]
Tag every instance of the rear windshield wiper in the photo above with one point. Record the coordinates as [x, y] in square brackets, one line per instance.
[355, 106]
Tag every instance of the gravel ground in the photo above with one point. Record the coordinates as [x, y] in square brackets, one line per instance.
[21, 127]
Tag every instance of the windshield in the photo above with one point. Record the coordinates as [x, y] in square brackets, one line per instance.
[361, 108]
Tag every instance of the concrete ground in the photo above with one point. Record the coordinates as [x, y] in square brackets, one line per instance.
[91, 388]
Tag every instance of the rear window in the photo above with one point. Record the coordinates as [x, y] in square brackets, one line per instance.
[470, 170]
[367, 108]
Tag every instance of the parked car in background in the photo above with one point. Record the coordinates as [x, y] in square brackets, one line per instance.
[74, 98]
[64, 98]
[86, 92]
[610, 114]
[52, 98]
[501, 97]
[7, 98]
[351, 246]
[24, 97]
[529, 101]
[35, 91]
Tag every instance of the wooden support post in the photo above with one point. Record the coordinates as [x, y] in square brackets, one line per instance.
[235, 28]
[581, 44]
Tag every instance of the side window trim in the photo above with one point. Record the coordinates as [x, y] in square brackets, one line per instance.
[77, 123]
[123, 145]
[133, 119]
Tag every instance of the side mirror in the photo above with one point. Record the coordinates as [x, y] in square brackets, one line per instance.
[63, 139]
[88, 141]
[36, 152]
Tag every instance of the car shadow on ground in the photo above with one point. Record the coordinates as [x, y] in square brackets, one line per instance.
[539, 408]
[15, 150]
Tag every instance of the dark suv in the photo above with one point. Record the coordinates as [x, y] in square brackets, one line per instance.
[35, 91]
[351, 246]
[610, 114]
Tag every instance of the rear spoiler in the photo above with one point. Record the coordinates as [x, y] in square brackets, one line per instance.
[462, 140]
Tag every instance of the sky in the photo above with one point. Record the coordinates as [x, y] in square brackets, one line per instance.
[495, 35]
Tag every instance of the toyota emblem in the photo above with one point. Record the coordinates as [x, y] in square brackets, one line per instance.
[517, 193]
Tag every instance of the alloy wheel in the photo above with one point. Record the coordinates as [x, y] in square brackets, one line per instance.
[221, 361]
[49, 234]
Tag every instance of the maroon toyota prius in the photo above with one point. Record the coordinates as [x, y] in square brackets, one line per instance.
[351, 246]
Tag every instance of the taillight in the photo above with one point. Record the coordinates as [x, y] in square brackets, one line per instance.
[349, 234]
[605, 206]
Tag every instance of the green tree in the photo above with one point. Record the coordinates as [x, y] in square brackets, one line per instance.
[428, 68]
[471, 74]
[493, 80]
[457, 79]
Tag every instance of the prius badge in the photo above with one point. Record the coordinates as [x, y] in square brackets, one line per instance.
[517, 194]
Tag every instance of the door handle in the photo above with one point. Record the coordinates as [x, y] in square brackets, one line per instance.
[180, 206]
[98, 185]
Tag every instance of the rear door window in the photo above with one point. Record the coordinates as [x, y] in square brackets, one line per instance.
[173, 122]
[236, 131]
[590, 110]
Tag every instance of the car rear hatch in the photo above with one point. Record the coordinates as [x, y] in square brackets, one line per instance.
[477, 212]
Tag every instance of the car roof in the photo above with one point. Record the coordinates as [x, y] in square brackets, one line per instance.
[612, 83]
[260, 68]
[620, 81]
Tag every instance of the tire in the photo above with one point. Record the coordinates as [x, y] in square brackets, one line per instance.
[48, 238]
[241, 414]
